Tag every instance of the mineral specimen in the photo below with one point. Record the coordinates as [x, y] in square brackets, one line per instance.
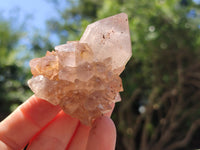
[83, 76]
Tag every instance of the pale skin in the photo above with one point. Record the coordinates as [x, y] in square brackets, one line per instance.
[47, 127]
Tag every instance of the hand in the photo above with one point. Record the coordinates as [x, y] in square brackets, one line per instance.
[46, 127]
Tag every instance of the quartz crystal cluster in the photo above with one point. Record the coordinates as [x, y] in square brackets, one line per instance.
[83, 76]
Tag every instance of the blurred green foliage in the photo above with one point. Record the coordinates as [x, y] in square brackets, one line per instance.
[14, 58]
[12, 75]
[160, 103]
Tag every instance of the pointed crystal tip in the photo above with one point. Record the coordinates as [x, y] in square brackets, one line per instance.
[110, 37]
[83, 77]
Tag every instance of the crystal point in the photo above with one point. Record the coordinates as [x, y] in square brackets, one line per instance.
[83, 77]
[110, 37]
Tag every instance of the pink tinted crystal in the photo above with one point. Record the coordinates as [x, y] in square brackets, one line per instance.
[83, 77]
[110, 37]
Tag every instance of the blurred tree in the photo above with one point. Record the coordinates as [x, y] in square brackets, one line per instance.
[17, 47]
[14, 59]
[13, 89]
[160, 107]
[73, 19]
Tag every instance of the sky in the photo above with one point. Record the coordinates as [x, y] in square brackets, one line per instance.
[34, 13]
[197, 1]
[38, 11]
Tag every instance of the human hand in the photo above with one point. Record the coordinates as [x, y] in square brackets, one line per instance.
[46, 127]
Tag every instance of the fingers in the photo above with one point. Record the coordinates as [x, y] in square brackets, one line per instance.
[79, 141]
[56, 135]
[63, 131]
[102, 135]
[3, 146]
[18, 128]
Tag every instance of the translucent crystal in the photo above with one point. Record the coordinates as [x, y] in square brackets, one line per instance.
[74, 53]
[110, 37]
[83, 77]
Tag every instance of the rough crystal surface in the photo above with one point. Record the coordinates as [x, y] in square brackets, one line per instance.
[83, 77]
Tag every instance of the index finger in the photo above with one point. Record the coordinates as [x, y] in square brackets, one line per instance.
[28, 119]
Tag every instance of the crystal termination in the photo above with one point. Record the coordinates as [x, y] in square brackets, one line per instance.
[83, 77]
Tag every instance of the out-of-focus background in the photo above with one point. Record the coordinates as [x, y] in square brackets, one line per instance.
[160, 108]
